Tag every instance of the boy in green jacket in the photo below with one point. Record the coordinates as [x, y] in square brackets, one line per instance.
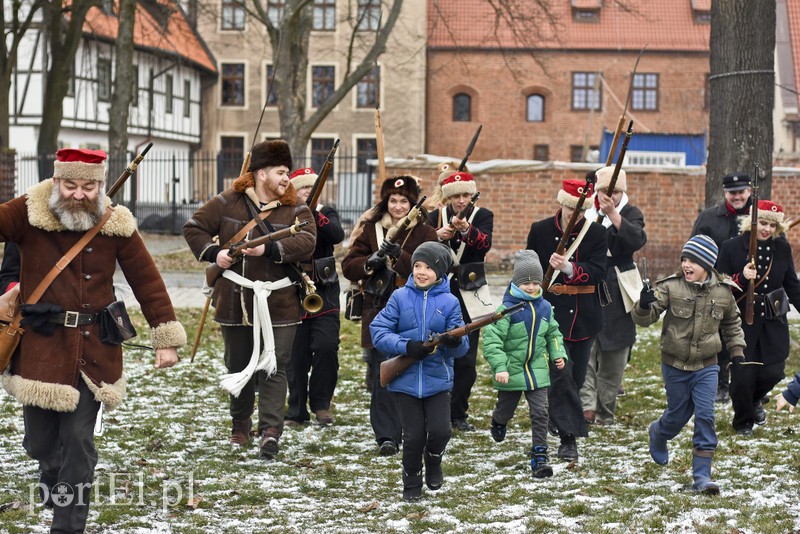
[517, 348]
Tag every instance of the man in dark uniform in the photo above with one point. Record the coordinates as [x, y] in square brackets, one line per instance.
[470, 238]
[576, 306]
[721, 222]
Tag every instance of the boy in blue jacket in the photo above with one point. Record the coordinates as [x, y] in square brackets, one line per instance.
[424, 306]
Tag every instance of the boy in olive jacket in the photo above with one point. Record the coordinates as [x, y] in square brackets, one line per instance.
[701, 306]
[517, 349]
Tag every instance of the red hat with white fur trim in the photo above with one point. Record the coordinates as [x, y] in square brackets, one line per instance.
[80, 164]
[303, 178]
[457, 183]
[767, 211]
[571, 191]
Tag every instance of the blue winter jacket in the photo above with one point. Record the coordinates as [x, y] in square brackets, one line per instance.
[413, 315]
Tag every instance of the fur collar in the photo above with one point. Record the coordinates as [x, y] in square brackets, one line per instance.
[386, 222]
[246, 184]
[122, 222]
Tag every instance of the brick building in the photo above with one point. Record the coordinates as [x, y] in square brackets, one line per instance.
[548, 93]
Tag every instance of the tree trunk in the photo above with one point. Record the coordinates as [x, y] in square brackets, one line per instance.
[123, 92]
[742, 92]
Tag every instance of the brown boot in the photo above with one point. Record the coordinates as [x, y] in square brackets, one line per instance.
[589, 416]
[269, 444]
[240, 435]
[324, 417]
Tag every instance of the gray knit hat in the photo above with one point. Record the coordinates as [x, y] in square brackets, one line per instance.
[527, 268]
[436, 255]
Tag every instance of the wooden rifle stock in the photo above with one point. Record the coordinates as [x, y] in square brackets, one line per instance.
[130, 169]
[468, 208]
[394, 367]
[613, 183]
[214, 271]
[621, 123]
[750, 299]
[562, 245]
[319, 183]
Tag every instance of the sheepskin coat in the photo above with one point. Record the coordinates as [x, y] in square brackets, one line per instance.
[46, 370]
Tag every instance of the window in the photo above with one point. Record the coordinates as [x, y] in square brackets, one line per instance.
[462, 107]
[322, 84]
[169, 93]
[232, 15]
[275, 10]
[660, 159]
[369, 89]
[135, 86]
[535, 111]
[272, 98]
[366, 149]
[319, 152]
[586, 91]
[324, 15]
[187, 98]
[232, 84]
[541, 152]
[104, 80]
[645, 92]
[71, 80]
[231, 155]
[369, 14]
[576, 153]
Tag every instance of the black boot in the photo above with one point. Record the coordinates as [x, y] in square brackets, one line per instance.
[433, 471]
[412, 486]
[539, 466]
[568, 450]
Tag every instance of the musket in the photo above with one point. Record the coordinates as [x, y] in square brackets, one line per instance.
[573, 220]
[322, 177]
[410, 217]
[236, 250]
[394, 367]
[470, 148]
[613, 183]
[129, 170]
[379, 145]
[466, 210]
[645, 278]
[621, 123]
[750, 299]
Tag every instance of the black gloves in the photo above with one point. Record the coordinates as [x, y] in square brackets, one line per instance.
[647, 298]
[391, 249]
[417, 350]
[37, 316]
[375, 262]
[450, 342]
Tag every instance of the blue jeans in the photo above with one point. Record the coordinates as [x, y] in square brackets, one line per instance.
[690, 393]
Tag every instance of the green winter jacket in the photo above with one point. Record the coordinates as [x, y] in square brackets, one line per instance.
[509, 346]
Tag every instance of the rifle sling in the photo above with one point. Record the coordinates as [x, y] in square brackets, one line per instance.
[573, 247]
[292, 270]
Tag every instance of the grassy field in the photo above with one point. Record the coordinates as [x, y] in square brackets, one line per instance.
[166, 466]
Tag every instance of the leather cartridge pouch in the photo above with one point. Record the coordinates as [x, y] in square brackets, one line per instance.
[776, 304]
[9, 304]
[115, 324]
[471, 276]
[325, 271]
[10, 331]
[354, 303]
[382, 283]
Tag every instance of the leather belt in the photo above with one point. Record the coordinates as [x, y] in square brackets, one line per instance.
[561, 289]
[73, 319]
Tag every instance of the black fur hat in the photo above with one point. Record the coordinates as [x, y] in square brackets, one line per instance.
[405, 185]
[270, 154]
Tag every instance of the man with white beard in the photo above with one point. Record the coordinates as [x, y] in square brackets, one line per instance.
[67, 365]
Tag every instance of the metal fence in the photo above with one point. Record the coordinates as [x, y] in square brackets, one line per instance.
[167, 187]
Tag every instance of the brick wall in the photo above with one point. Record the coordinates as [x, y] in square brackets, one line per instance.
[670, 201]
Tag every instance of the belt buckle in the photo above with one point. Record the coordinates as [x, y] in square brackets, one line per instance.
[71, 319]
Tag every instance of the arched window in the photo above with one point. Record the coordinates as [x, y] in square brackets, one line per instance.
[535, 108]
[462, 107]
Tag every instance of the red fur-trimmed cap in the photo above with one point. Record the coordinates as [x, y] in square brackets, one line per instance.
[303, 178]
[571, 191]
[80, 164]
[457, 183]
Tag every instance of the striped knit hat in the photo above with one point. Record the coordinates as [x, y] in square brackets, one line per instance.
[702, 250]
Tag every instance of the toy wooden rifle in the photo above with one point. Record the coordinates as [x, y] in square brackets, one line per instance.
[129, 170]
[468, 208]
[621, 123]
[562, 245]
[750, 299]
[613, 183]
[470, 148]
[322, 177]
[394, 367]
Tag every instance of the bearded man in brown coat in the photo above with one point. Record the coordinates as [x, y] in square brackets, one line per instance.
[63, 371]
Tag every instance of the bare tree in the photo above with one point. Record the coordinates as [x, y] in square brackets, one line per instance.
[123, 89]
[742, 92]
[18, 22]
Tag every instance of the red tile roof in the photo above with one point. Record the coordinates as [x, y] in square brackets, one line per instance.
[661, 25]
[175, 38]
[793, 10]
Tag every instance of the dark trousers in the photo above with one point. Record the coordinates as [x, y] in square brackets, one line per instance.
[63, 444]
[382, 408]
[271, 389]
[723, 359]
[749, 383]
[507, 402]
[315, 349]
[464, 375]
[566, 409]
[426, 427]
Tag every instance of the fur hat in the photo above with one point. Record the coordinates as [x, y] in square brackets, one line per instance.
[604, 179]
[80, 164]
[571, 191]
[527, 268]
[436, 255]
[457, 183]
[702, 250]
[768, 211]
[270, 154]
[405, 185]
[303, 178]
[445, 169]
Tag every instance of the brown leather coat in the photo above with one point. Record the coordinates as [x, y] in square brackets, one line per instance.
[46, 371]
